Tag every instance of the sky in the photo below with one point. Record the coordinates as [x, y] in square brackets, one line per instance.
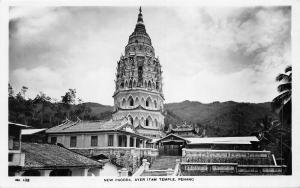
[207, 53]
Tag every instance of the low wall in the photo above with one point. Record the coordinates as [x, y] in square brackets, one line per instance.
[127, 157]
[261, 170]
[242, 157]
[200, 169]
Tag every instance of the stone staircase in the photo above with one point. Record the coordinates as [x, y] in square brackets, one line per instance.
[161, 165]
[164, 162]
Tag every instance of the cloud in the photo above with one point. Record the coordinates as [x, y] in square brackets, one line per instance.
[214, 53]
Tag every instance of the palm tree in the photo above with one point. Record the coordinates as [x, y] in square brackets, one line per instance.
[269, 131]
[282, 103]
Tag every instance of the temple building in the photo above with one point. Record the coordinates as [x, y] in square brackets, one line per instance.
[138, 94]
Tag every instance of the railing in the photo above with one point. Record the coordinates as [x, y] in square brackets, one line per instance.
[145, 171]
[124, 150]
[194, 169]
[200, 169]
[177, 168]
[261, 169]
[242, 157]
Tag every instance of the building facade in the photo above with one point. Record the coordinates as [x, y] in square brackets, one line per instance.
[138, 86]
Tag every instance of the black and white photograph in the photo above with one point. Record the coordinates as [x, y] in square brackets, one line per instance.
[150, 92]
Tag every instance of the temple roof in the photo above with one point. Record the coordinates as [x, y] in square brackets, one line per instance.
[31, 131]
[214, 140]
[39, 156]
[223, 140]
[182, 128]
[88, 126]
[121, 125]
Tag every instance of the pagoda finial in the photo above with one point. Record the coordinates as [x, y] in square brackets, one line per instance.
[140, 16]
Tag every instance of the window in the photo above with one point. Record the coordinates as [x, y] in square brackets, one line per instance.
[10, 157]
[94, 140]
[130, 119]
[110, 140]
[73, 141]
[123, 103]
[131, 103]
[53, 140]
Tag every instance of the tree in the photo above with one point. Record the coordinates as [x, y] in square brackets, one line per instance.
[43, 100]
[10, 91]
[269, 131]
[24, 90]
[68, 99]
[282, 104]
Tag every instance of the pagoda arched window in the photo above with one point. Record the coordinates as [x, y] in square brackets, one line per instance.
[130, 119]
[148, 102]
[123, 103]
[149, 121]
[149, 84]
[130, 101]
[155, 104]
[134, 83]
[136, 121]
[126, 84]
[130, 84]
[122, 85]
[143, 102]
[137, 101]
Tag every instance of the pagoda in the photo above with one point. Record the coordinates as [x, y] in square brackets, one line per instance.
[138, 86]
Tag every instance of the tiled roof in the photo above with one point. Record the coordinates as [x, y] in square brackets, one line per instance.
[19, 125]
[223, 140]
[52, 156]
[215, 140]
[87, 126]
[31, 131]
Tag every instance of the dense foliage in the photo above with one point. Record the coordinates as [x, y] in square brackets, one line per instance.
[43, 112]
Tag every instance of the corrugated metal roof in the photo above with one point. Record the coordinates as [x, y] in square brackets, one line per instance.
[31, 131]
[51, 156]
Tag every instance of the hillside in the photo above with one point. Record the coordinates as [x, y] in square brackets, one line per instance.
[220, 119]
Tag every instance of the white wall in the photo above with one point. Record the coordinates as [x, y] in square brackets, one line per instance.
[109, 170]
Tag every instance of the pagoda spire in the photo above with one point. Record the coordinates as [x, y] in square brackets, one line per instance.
[140, 16]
